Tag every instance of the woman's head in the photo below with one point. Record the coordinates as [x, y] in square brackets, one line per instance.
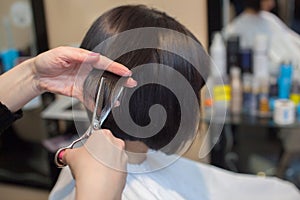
[126, 18]
[257, 5]
[267, 5]
[252, 4]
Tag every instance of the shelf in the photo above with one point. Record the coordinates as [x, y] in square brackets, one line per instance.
[249, 120]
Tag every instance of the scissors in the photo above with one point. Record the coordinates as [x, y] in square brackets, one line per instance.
[106, 98]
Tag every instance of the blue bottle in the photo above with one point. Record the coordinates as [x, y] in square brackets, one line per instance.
[285, 81]
[9, 58]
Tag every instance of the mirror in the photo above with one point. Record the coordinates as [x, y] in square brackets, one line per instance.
[287, 11]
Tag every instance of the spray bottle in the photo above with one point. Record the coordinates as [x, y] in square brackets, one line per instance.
[221, 87]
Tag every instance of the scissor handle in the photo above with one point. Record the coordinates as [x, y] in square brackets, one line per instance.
[58, 157]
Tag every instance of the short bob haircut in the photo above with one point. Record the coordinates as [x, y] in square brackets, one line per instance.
[129, 17]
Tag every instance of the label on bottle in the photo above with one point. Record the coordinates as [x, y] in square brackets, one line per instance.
[222, 93]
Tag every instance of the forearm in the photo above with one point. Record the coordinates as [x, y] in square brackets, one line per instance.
[18, 86]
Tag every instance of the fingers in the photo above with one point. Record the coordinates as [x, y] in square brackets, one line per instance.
[107, 149]
[76, 55]
[130, 83]
[101, 147]
[99, 62]
[118, 142]
[105, 63]
[64, 156]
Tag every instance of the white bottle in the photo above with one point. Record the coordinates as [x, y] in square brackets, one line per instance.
[220, 85]
[260, 56]
[218, 55]
[236, 90]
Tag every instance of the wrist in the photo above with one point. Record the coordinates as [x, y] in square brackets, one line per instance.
[36, 83]
[89, 187]
[98, 186]
[21, 86]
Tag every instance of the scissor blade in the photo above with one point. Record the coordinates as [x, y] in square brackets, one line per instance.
[109, 106]
[98, 104]
[108, 94]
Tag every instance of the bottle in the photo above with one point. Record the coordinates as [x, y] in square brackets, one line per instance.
[236, 90]
[254, 96]
[233, 49]
[295, 88]
[298, 112]
[263, 98]
[273, 93]
[246, 60]
[247, 92]
[218, 55]
[220, 84]
[9, 58]
[1, 67]
[260, 56]
[221, 95]
[285, 81]
[295, 92]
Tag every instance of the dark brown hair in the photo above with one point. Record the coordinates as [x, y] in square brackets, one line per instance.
[253, 4]
[130, 17]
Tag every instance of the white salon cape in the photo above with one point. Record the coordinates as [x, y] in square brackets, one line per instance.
[284, 43]
[189, 180]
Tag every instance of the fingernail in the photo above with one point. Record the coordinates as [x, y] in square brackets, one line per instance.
[94, 54]
[127, 73]
[60, 155]
[131, 82]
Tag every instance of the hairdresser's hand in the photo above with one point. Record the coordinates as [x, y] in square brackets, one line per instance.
[96, 167]
[57, 70]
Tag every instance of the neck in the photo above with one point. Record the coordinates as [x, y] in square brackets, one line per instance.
[136, 151]
[251, 11]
